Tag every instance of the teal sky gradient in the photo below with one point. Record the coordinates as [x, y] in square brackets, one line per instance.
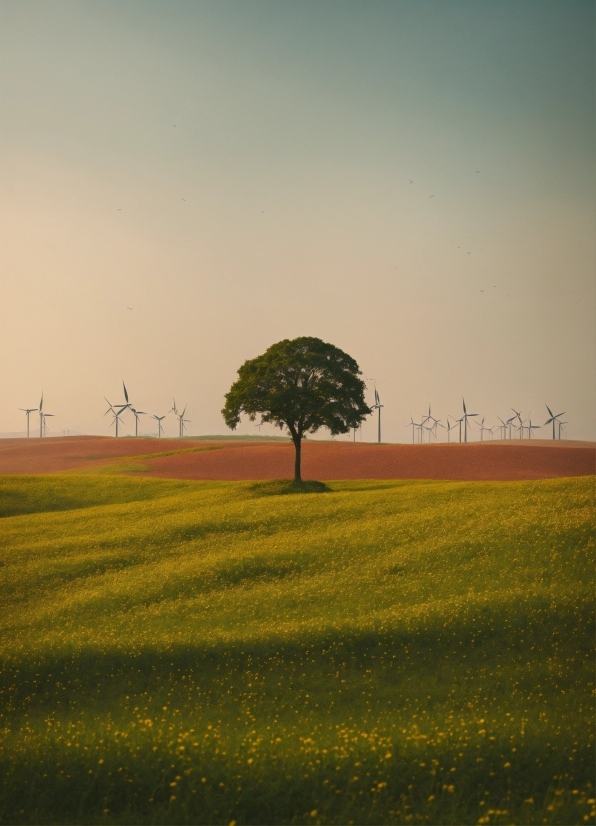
[280, 202]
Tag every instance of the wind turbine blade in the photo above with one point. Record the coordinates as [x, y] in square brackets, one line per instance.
[550, 412]
[464, 403]
[125, 392]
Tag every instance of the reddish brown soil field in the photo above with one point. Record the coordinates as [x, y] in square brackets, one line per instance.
[67, 453]
[321, 460]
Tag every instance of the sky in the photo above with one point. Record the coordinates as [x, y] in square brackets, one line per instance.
[411, 180]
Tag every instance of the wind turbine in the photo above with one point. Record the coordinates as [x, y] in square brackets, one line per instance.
[116, 413]
[451, 427]
[181, 419]
[42, 418]
[561, 426]
[532, 427]
[159, 420]
[377, 406]
[412, 424]
[553, 419]
[503, 427]
[28, 411]
[465, 417]
[521, 424]
[137, 413]
[118, 409]
[433, 428]
[482, 429]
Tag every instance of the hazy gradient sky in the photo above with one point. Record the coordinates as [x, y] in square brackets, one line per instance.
[239, 172]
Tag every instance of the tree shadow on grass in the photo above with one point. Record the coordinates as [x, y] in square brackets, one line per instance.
[284, 487]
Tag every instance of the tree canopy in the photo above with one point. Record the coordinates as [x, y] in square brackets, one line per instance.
[301, 384]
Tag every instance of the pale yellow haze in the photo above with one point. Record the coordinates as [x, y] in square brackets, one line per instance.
[239, 172]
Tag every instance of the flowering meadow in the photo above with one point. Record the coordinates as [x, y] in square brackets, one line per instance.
[224, 652]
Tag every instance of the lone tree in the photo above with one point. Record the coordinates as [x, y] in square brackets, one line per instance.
[302, 384]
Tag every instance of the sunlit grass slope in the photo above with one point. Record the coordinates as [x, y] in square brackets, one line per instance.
[397, 652]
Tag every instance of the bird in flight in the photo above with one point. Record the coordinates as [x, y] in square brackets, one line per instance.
[481, 291]
[477, 171]
[262, 211]
[431, 196]
[458, 247]
[411, 181]
[469, 253]
[174, 125]
[183, 199]
[118, 210]
[128, 308]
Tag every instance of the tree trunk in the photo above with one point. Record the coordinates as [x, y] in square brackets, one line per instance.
[298, 446]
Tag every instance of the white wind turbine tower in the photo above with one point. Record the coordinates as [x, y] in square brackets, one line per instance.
[137, 413]
[554, 419]
[482, 428]
[118, 409]
[502, 427]
[450, 427]
[42, 418]
[432, 430]
[116, 414]
[181, 419]
[28, 411]
[561, 426]
[159, 420]
[465, 418]
[531, 426]
[521, 424]
[413, 425]
[377, 406]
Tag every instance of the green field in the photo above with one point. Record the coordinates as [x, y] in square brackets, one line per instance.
[382, 652]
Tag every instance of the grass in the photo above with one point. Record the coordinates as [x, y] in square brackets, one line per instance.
[377, 652]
